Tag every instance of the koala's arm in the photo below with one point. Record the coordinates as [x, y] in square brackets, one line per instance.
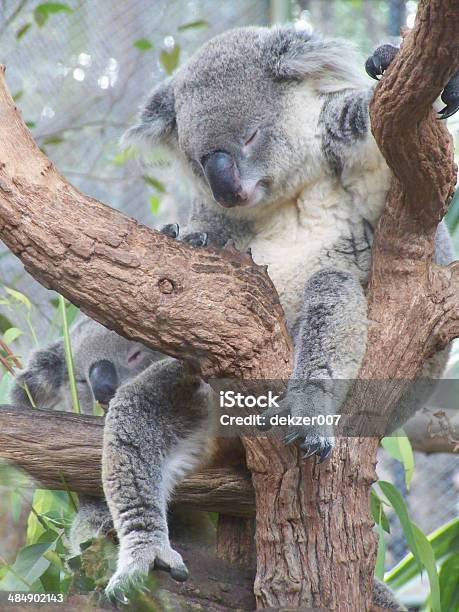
[330, 341]
[44, 378]
[345, 119]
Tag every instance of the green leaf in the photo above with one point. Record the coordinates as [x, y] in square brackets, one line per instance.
[18, 95]
[23, 31]
[6, 382]
[124, 156]
[12, 334]
[19, 297]
[194, 25]
[444, 541]
[398, 504]
[381, 554]
[5, 324]
[53, 140]
[170, 59]
[30, 564]
[399, 447]
[143, 44]
[51, 579]
[377, 511]
[31, 124]
[158, 185]
[449, 583]
[427, 558]
[155, 204]
[43, 11]
[68, 356]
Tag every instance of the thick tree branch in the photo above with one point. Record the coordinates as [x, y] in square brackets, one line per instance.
[61, 450]
[130, 278]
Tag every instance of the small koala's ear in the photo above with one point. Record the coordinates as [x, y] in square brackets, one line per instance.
[157, 118]
[296, 55]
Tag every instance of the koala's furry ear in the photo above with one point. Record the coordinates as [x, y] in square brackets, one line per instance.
[157, 118]
[296, 55]
[44, 377]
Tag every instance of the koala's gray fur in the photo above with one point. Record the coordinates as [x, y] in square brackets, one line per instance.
[158, 429]
[271, 126]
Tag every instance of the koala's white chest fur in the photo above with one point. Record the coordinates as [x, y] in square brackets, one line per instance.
[298, 239]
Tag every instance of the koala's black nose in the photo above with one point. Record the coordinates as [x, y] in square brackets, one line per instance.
[224, 179]
[104, 380]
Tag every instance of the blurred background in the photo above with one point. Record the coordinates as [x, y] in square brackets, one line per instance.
[79, 71]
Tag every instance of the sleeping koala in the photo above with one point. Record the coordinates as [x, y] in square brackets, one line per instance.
[272, 128]
[102, 359]
[158, 429]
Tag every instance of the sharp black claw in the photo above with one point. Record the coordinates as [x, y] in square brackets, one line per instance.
[179, 575]
[161, 565]
[312, 450]
[197, 239]
[448, 111]
[325, 454]
[171, 230]
[370, 68]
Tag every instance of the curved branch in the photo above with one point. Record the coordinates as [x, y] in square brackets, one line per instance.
[133, 279]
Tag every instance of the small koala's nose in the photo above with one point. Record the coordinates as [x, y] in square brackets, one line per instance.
[104, 380]
[224, 179]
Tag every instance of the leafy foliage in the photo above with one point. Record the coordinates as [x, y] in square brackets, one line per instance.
[42, 12]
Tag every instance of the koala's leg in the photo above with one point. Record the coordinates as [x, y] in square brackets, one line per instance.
[330, 342]
[92, 519]
[150, 442]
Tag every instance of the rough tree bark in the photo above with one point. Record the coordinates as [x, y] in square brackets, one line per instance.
[315, 544]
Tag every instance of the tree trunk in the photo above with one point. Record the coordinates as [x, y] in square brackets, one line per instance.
[219, 312]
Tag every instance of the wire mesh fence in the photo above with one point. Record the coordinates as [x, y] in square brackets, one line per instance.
[79, 79]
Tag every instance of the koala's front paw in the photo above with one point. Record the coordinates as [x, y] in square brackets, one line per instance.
[171, 230]
[381, 59]
[195, 239]
[303, 404]
[133, 569]
[450, 97]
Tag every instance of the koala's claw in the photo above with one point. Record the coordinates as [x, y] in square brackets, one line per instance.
[196, 239]
[382, 57]
[450, 97]
[322, 447]
[179, 574]
[171, 230]
[132, 573]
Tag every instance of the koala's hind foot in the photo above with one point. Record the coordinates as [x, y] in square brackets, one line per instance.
[383, 56]
[136, 559]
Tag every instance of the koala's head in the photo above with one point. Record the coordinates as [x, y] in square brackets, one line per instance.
[103, 361]
[243, 112]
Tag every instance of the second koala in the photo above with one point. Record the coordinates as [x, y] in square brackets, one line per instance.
[158, 429]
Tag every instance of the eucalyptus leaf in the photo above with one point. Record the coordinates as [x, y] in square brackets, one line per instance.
[43, 11]
[143, 44]
[170, 58]
[194, 25]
